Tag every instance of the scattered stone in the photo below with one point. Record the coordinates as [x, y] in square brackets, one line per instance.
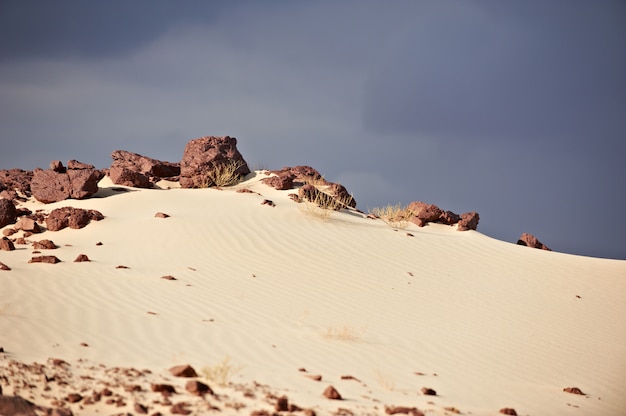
[6, 244]
[246, 191]
[84, 344]
[8, 213]
[332, 393]
[282, 404]
[315, 377]
[295, 198]
[180, 409]
[162, 388]
[122, 267]
[4, 267]
[8, 232]
[427, 391]
[394, 410]
[161, 215]
[44, 245]
[75, 218]
[168, 277]
[268, 202]
[21, 241]
[99, 243]
[573, 390]
[141, 409]
[74, 397]
[531, 241]
[44, 259]
[469, 221]
[184, 370]
[203, 156]
[508, 411]
[280, 182]
[81, 258]
[198, 388]
[27, 224]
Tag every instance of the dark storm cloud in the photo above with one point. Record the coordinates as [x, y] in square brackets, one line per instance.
[524, 70]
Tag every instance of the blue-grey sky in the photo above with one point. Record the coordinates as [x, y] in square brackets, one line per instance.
[516, 110]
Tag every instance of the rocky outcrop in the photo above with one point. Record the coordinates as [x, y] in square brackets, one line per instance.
[78, 181]
[205, 156]
[424, 213]
[13, 181]
[531, 241]
[132, 169]
[469, 221]
[8, 213]
[61, 218]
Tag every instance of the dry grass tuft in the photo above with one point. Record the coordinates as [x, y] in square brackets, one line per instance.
[344, 333]
[385, 380]
[396, 216]
[223, 174]
[221, 373]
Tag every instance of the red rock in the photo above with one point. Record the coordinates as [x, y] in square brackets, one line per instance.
[531, 241]
[44, 245]
[81, 258]
[6, 244]
[394, 410]
[141, 409]
[449, 218]
[268, 202]
[508, 411]
[58, 184]
[202, 156]
[74, 397]
[184, 370]
[161, 215]
[180, 409]
[4, 267]
[13, 181]
[8, 213]
[16, 405]
[132, 169]
[424, 213]
[44, 259]
[57, 166]
[340, 193]
[84, 182]
[20, 240]
[161, 388]
[573, 390]
[168, 277]
[27, 224]
[332, 393]
[280, 182]
[76, 165]
[76, 218]
[198, 388]
[282, 404]
[7, 232]
[469, 221]
[427, 391]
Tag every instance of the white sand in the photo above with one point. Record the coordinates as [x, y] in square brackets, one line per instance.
[489, 324]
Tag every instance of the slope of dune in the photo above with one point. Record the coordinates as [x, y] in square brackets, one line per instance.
[285, 294]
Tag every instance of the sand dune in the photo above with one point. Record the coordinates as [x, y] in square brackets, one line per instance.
[485, 323]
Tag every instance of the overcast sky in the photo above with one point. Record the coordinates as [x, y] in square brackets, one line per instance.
[514, 109]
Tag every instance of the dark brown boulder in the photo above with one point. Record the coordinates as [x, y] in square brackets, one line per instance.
[340, 193]
[45, 259]
[6, 268]
[204, 156]
[127, 177]
[6, 244]
[8, 213]
[79, 181]
[132, 169]
[184, 370]
[449, 218]
[162, 388]
[427, 391]
[469, 221]
[280, 182]
[44, 245]
[289, 177]
[16, 405]
[531, 241]
[71, 217]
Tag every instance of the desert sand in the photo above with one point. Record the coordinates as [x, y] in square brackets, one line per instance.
[291, 303]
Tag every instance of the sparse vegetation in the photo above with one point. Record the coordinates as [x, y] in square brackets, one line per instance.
[396, 216]
[385, 380]
[344, 333]
[221, 373]
[321, 204]
[223, 174]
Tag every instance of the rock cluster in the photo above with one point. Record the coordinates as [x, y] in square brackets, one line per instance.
[76, 218]
[77, 181]
[132, 169]
[423, 213]
[205, 156]
[13, 181]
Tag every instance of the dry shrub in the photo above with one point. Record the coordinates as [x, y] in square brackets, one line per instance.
[396, 216]
[223, 174]
[221, 373]
[343, 333]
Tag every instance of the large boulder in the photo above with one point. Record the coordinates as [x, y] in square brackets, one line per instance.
[78, 181]
[424, 213]
[61, 218]
[132, 169]
[530, 240]
[8, 213]
[469, 221]
[205, 156]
